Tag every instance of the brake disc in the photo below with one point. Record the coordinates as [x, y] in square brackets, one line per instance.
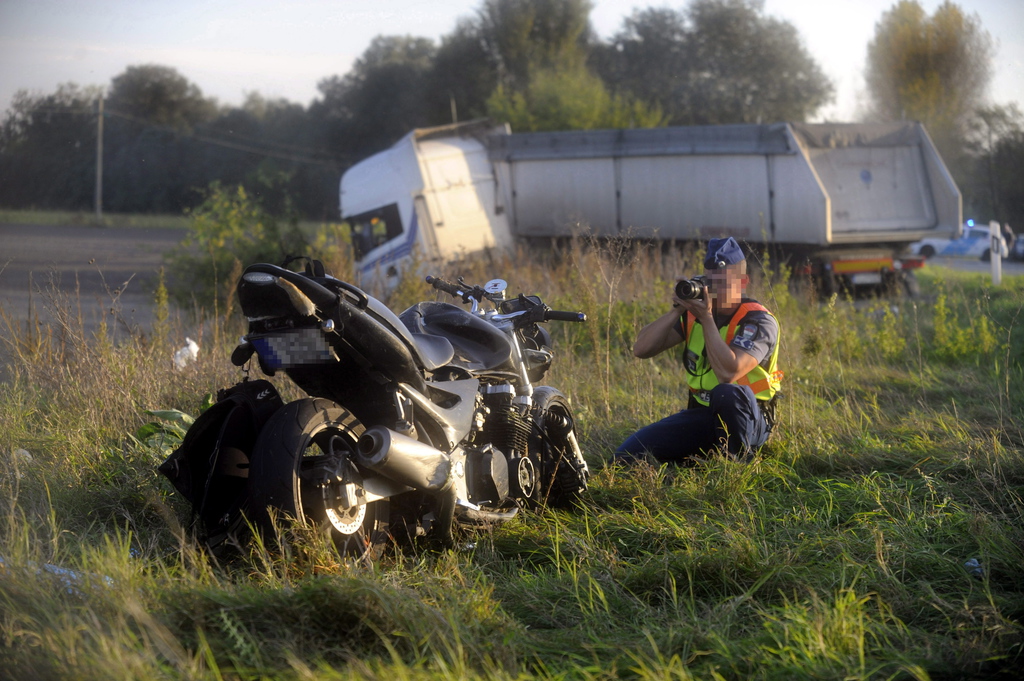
[349, 520]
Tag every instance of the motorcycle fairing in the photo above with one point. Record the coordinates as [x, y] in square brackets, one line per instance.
[451, 404]
[267, 292]
[430, 351]
[270, 291]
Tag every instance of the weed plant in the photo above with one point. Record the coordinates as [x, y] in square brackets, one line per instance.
[841, 552]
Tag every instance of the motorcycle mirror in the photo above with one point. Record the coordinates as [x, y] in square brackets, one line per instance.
[496, 286]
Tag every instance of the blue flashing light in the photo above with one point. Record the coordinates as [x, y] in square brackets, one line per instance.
[970, 222]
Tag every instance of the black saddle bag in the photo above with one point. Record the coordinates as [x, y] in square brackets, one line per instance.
[211, 467]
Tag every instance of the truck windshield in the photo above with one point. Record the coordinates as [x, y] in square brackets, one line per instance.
[374, 228]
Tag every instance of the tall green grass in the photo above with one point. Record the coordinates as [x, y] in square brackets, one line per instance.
[838, 553]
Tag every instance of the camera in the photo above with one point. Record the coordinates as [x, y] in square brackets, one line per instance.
[691, 289]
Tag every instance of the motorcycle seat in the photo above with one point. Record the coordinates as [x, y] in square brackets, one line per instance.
[435, 351]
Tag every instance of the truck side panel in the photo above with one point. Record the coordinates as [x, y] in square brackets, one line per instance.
[945, 193]
[885, 181]
[691, 197]
[805, 185]
[801, 211]
[875, 189]
[669, 197]
[560, 197]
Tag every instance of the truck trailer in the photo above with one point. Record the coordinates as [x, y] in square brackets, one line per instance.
[840, 202]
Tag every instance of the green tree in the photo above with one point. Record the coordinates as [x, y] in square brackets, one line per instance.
[153, 163]
[995, 188]
[229, 230]
[647, 57]
[464, 74]
[48, 149]
[274, 149]
[569, 99]
[992, 132]
[1008, 179]
[717, 61]
[524, 35]
[934, 69]
[748, 67]
[161, 96]
[540, 49]
[384, 96]
[162, 142]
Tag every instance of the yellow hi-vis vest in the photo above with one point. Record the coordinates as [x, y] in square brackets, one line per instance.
[764, 382]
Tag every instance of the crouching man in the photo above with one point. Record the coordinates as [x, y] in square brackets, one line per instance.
[731, 348]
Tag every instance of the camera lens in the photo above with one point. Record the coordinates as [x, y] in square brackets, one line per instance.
[689, 289]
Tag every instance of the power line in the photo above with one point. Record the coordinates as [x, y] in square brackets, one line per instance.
[231, 144]
[286, 152]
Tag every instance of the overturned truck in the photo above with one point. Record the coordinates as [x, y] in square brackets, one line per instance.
[840, 202]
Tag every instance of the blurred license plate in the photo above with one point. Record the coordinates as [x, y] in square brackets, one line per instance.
[294, 348]
[866, 278]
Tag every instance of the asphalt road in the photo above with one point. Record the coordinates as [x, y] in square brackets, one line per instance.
[1010, 268]
[100, 268]
[96, 268]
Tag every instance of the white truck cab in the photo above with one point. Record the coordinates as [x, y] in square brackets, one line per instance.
[433, 193]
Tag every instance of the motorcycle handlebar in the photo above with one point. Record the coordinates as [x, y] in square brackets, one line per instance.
[564, 316]
[446, 286]
[459, 292]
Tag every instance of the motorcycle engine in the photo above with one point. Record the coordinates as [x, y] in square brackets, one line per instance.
[509, 431]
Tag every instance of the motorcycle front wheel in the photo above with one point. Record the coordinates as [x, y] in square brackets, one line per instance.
[562, 471]
[301, 452]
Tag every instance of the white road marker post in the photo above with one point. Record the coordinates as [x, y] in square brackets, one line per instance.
[996, 252]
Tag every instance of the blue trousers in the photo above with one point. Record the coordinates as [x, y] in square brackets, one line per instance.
[733, 425]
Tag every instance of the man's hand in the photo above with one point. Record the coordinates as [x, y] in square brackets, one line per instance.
[728, 363]
[699, 308]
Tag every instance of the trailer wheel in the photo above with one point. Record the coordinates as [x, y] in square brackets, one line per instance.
[899, 284]
[830, 285]
[911, 285]
[927, 251]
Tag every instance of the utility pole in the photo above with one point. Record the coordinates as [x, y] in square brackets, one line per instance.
[99, 160]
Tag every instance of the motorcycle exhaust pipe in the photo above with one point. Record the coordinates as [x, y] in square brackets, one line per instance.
[403, 459]
[410, 462]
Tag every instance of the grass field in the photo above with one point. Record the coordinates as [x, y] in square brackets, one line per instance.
[841, 552]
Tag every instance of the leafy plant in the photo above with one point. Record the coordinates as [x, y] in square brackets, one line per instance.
[165, 435]
[229, 230]
[957, 338]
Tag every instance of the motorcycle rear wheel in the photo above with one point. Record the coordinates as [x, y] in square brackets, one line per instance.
[299, 443]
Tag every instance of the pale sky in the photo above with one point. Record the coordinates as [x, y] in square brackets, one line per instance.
[283, 48]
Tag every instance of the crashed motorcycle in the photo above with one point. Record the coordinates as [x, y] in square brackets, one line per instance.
[415, 425]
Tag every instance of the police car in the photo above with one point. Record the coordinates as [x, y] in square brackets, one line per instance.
[974, 242]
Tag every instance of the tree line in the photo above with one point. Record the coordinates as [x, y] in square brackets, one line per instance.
[536, 64]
